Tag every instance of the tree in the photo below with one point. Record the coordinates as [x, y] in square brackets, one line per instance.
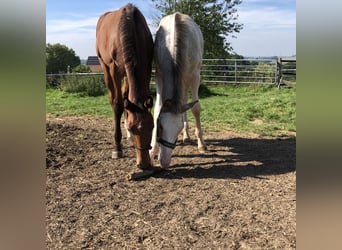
[216, 18]
[59, 57]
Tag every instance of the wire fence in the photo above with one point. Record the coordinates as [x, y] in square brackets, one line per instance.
[225, 71]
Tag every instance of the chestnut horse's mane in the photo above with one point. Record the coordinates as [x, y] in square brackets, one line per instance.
[127, 37]
[131, 22]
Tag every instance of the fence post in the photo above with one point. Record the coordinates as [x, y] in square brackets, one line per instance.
[279, 66]
[235, 71]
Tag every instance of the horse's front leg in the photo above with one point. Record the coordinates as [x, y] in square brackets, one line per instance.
[116, 101]
[154, 144]
[118, 110]
[124, 91]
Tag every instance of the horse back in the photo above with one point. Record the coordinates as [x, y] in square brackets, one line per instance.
[178, 52]
[123, 38]
[112, 39]
[107, 37]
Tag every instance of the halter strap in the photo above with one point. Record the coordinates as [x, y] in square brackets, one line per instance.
[143, 148]
[166, 143]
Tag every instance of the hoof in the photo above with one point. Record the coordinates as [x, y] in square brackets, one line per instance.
[116, 154]
[203, 149]
[144, 168]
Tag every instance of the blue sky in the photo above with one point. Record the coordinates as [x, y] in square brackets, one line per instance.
[269, 25]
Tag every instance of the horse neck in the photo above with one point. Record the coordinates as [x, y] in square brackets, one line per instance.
[138, 88]
[134, 36]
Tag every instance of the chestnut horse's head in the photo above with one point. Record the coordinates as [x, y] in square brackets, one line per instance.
[139, 122]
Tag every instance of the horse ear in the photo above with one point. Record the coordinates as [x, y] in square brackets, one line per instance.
[187, 106]
[148, 102]
[168, 106]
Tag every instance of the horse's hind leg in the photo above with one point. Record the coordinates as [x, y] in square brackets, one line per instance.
[185, 131]
[124, 90]
[186, 136]
[196, 110]
[128, 134]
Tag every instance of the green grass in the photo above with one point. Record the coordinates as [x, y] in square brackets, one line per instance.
[60, 103]
[260, 109]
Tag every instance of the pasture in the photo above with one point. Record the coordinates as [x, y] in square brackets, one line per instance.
[241, 194]
[261, 109]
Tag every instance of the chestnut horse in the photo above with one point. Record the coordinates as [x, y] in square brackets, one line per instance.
[124, 46]
[178, 54]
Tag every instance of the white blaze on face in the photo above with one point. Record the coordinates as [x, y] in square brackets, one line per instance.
[170, 125]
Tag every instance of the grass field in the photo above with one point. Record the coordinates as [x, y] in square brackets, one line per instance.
[260, 109]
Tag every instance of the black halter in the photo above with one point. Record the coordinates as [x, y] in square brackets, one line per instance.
[166, 143]
[162, 141]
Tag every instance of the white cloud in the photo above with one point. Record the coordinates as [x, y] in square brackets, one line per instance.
[267, 31]
[267, 18]
[70, 25]
[78, 34]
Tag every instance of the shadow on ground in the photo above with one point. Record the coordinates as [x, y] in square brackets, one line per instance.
[237, 158]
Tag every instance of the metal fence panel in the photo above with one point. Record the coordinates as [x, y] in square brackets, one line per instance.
[231, 71]
[246, 71]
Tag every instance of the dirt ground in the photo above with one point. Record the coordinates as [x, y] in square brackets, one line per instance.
[241, 194]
